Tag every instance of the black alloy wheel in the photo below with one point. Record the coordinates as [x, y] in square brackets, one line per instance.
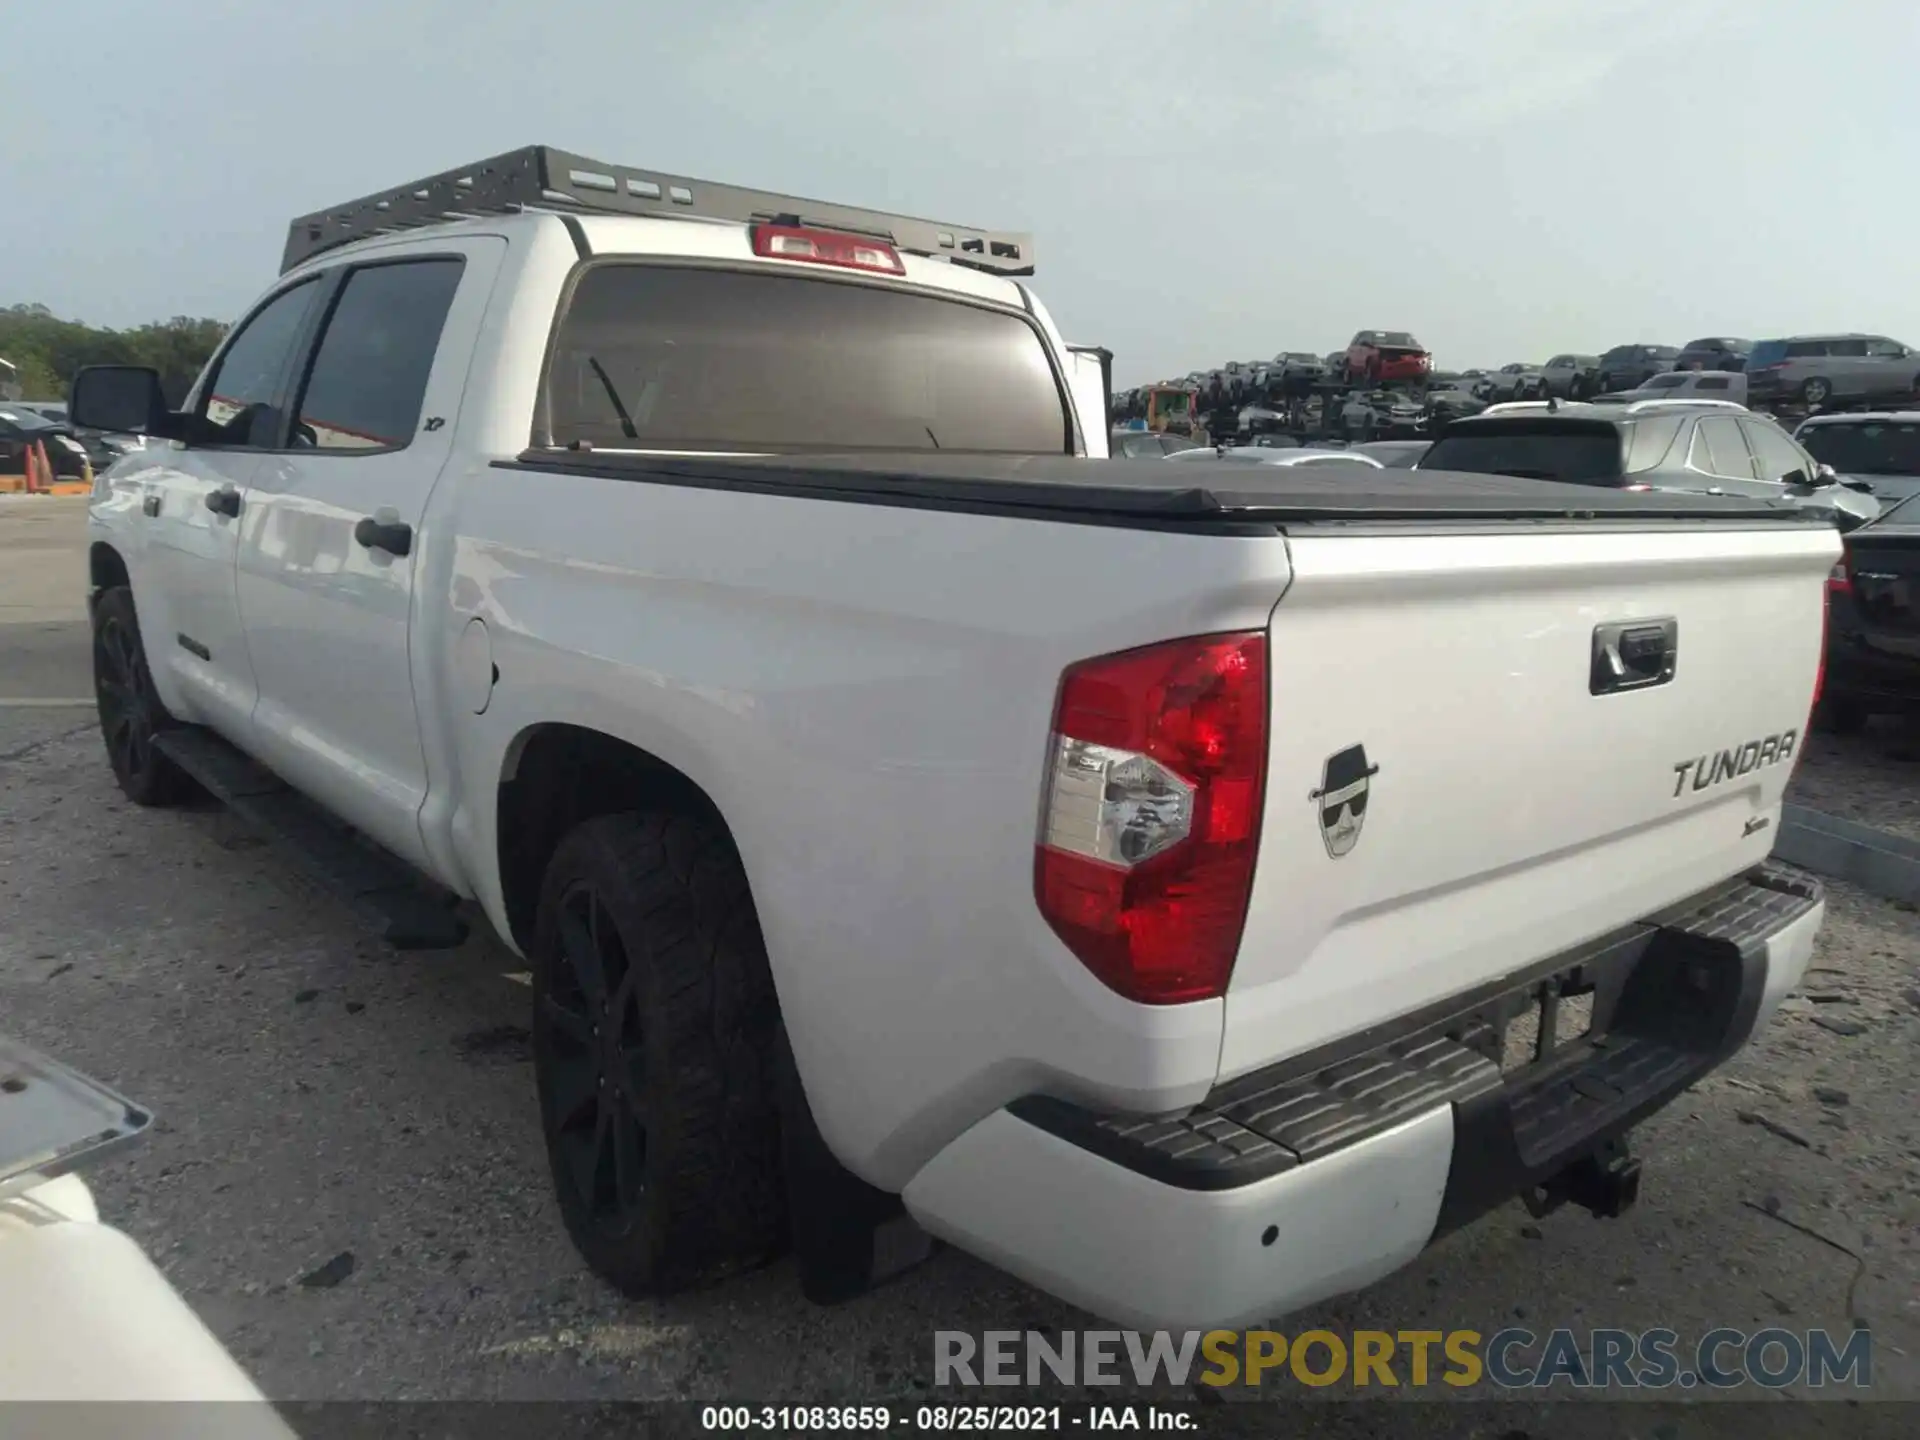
[597, 1099]
[131, 713]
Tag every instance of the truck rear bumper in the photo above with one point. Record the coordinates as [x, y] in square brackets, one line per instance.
[1323, 1174]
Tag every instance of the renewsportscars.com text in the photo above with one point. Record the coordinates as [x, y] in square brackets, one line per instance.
[1511, 1359]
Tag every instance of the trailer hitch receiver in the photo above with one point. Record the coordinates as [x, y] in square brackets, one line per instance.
[1605, 1182]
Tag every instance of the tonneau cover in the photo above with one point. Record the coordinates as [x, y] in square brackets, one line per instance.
[1194, 491]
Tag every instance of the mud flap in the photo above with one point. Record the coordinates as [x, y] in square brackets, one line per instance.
[848, 1236]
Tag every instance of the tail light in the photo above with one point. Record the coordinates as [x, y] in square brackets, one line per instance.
[1839, 582]
[1820, 670]
[1151, 819]
[826, 247]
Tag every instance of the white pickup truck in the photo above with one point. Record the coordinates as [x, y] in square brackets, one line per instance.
[1193, 888]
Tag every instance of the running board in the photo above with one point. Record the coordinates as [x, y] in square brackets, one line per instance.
[387, 892]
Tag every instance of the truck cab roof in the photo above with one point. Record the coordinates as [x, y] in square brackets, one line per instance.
[680, 237]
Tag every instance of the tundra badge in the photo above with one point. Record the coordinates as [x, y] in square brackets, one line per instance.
[1729, 764]
[1342, 798]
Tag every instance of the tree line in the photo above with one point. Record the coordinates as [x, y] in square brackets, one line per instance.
[45, 350]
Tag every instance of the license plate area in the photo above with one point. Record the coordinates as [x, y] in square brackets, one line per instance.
[1548, 1022]
[1550, 1017]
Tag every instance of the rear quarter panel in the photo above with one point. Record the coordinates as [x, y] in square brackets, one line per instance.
[865, 692]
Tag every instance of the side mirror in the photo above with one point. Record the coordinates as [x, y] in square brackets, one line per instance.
[124, 399]
[1825, 474]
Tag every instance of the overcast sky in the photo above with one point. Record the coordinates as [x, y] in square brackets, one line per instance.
[1205, 181]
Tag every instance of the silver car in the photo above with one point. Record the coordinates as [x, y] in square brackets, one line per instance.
[1816, 370]
[1879, 449]
[1571, 377]
[1514, 382]
[1692, 385]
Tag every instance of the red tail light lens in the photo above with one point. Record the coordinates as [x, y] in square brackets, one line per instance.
[1820, 671]
[826, 247]
[1839, 580]
[1151, 822]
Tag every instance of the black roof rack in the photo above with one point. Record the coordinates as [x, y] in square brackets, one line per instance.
[539, 177]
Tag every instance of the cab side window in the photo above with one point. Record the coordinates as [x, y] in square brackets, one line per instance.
[1720, 450]
[238, 406]
[1776, 455]
[369, 375]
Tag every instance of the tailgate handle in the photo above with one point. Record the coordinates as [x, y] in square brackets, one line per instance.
[1633, 655]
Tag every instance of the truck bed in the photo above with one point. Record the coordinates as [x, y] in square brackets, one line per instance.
[1202, 495]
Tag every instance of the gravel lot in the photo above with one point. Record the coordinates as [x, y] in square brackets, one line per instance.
[1872, 778]
[320, 1097]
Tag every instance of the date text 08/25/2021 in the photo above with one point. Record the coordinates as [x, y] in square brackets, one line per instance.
[923, 1419]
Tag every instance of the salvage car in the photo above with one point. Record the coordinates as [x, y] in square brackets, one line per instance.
[913, 829]
[1873, 637]
[1290, 375]
[67, 458]
[1715, 352]
[1378, 356]
[1817, 370]
[1627, 367]
[1146, 444]
[1880, 449]
[1688, 384]
[1449, 400]
[1572, 377]
[1381, 413]
[1702, 446]
[1517, 381]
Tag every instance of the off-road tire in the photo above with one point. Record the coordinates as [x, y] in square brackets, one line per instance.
[129, 708]
[711, 1201]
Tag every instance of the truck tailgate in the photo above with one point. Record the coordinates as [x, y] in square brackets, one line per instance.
[1449, 800]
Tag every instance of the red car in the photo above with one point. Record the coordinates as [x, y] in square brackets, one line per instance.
[1377, 355]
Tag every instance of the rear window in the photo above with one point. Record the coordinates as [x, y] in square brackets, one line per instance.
[1663, 352]
[1867, 448]
[1674, 380]
[1768, 352]
[728, 360]
[1574, 454]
